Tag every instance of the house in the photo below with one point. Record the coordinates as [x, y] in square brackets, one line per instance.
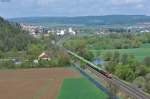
[45, 56]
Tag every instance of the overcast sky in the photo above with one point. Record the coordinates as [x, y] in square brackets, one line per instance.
[27, 8]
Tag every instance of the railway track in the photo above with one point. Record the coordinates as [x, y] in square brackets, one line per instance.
[132, 91]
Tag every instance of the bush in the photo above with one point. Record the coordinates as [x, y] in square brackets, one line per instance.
[7, 65]
[140, 82]
[124, 72]
[107, 56]
[141, 70]
[147, 61]
[63, 58]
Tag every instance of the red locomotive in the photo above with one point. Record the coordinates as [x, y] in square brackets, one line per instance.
[107, 74]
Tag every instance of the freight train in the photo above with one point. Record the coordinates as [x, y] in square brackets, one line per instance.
[98, 69]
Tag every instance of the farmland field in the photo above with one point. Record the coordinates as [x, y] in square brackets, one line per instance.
[139, 53]
[80, 89]
[33, 83]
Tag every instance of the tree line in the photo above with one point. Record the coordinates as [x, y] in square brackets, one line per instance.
[111, 41]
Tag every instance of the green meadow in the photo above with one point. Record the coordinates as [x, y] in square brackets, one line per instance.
[80, 89]
[139, 53]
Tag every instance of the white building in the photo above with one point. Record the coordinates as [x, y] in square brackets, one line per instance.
[70, 30]
[61, 33]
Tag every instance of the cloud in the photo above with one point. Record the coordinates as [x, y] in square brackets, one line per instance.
[130, 4]
[140, 6]
[17, 8]
[45, 3]
[126, 2]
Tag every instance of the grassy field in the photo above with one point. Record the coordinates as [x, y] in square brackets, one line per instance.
[139, 53]
[80, 89]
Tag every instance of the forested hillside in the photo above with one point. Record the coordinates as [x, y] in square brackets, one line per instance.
[12, 37]
[18, 49]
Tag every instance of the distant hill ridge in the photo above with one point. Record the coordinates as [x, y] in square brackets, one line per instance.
[85, 20]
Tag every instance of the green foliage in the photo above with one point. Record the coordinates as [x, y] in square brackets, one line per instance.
[11, 36]
[124, 59]
[34, 51]
[1, 54]
[141, 70]
[143, 82]
[110, 66]
[140, 82]
[82, 64]
[107, 56]
[79, 46]
[147, 61]
[116, 57]
[147, 76]
[44, 63]
[148, 86]
[124, 72]
[136, 43]
[64, 58]
[7, 65]
[88, 55]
